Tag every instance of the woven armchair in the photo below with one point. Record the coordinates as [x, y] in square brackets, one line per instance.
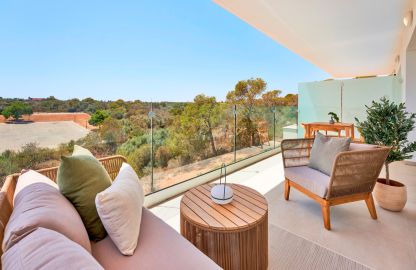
[353, 176]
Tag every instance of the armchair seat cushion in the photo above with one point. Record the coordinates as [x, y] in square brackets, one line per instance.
[311, 179]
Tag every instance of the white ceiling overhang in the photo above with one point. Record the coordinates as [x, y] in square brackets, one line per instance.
[346, 38]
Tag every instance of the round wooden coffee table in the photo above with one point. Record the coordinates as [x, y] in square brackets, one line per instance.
[234, 235]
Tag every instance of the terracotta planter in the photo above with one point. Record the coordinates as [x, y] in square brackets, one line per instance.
[392, 197]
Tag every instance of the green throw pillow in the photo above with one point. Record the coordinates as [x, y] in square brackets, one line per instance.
[80, 177]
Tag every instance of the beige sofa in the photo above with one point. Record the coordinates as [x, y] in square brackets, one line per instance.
[159, 246]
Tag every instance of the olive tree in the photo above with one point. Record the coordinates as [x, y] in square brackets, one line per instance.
[389, 124]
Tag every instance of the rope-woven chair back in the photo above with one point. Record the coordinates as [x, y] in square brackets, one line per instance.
[296, 152]
[356, 171]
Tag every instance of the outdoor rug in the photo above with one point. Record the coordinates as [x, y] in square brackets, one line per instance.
[289, 251]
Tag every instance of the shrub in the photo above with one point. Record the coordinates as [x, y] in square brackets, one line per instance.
[16, 110]
[162, 156]
[98, 118]
[139, 159]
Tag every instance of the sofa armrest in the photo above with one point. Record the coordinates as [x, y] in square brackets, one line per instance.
[6, 204]
[296, 152]
[356, 171]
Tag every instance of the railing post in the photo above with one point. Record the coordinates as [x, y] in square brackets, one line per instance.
[235, 132]
[274, 127]
[151, 115]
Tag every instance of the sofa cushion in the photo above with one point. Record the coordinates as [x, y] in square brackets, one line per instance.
[47, 250]
[120, 209]
[80, 178]
[31, 177]
[309, 178]
[160, 247]
[324, 151]
[42, 205]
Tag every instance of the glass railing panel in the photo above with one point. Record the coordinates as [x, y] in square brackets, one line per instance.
[286, 123]
[168, 143]
[138, 128]
[254, 130]
[198, 140]
[7, 165]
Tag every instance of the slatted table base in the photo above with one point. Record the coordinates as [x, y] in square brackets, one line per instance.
[240, 249]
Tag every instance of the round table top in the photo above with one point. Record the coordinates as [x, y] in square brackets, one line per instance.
[247, 208]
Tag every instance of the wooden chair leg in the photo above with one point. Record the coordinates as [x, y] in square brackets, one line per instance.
[326, 215]
[370, 205]
[287, 190]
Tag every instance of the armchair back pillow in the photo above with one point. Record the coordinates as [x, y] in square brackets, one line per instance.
[324, 151]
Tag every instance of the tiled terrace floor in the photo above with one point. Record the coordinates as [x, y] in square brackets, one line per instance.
[386, 243]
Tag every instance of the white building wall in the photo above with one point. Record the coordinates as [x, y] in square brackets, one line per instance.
[410, 88]
[406, 67]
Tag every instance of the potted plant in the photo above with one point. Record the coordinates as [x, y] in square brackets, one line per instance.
[334, 116]
[389, 124]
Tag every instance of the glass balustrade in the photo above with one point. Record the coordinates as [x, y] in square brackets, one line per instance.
[170, 145]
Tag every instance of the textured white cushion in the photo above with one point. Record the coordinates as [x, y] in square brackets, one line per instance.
[120, 209]
[32, 177]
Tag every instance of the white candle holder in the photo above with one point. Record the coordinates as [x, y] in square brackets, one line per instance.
[222, 193]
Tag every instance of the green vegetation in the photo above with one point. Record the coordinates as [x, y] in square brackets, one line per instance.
[389, 124]
[183, 132]
[16, 109]
[98, 118]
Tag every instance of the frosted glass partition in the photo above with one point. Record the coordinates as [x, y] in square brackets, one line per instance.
[316, 99]
[360, 92]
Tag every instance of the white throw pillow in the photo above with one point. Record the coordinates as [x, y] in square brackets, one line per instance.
[31, 177]
[120, 209]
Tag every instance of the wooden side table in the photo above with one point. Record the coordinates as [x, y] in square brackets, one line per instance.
[234, 235]
[311, 128]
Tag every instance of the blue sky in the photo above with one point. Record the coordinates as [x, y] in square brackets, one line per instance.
[147, 50]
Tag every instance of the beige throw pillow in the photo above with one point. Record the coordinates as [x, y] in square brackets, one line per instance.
[120, 209]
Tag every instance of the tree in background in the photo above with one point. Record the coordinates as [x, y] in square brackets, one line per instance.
[191, 132]
[98, 118]
[272, 98]
[16, 110]
[291, 100]
[118, 109]
[205, 112]
[246, 96]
